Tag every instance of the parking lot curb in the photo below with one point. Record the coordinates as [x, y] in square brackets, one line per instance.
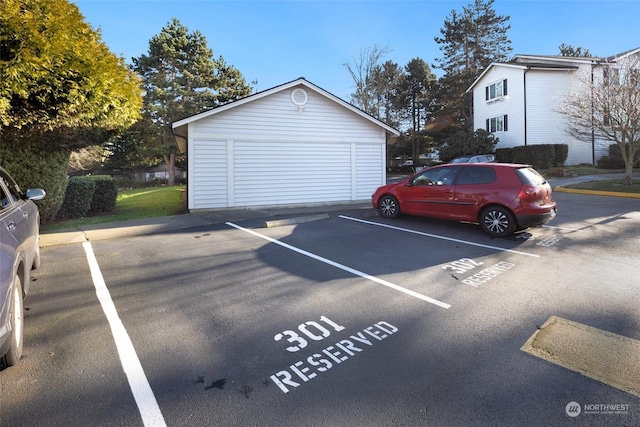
[562, 189]
[296, 220]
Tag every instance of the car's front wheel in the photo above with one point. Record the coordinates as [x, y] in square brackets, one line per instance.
[17, 326]
[389, 206]
[497, 221]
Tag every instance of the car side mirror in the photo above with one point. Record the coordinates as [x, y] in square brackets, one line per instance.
[36, 194]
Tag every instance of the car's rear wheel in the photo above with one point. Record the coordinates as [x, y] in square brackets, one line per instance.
[389, 206]
[497, 221]
[17, 326]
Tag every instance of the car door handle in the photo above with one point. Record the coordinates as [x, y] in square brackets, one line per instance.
[25, 214]
[11, 225]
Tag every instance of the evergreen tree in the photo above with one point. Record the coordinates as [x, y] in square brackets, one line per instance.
[61, 89]
[418, 88]
[181, 78]
[387, 86]
[470, 41]
[568, 50]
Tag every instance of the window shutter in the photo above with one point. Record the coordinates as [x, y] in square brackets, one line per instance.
[504, 87]
[505, 117]
[488, 130]
[486, 93]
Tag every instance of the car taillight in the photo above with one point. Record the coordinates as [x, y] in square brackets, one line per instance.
[531, 193]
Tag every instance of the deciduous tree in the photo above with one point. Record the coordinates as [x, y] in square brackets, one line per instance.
[606, 108]
[365, 72]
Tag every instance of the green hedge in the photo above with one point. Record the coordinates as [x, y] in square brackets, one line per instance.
[504, 155]
[33, 166]
[540, 156]
[77, 198]
[105, 195]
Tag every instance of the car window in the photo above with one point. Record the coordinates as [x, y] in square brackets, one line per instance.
[530, 176]
[477, 175]
[10, 191]
[436, 176]
[460, 160]
[4, 198]
[14, 190]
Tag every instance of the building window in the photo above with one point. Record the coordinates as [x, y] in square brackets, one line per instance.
[497, 124]
[496, 90]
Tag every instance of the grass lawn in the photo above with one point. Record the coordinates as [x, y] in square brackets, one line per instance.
[614, 185]
[140, 203]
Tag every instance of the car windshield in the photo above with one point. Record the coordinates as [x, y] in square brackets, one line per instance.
[530, 176]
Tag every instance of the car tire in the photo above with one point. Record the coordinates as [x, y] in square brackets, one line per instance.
[17, 326]
[389, 207]
[497, 221]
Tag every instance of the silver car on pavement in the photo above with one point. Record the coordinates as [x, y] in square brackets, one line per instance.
[19, 254]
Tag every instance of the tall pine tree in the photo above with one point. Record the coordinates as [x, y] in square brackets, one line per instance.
[181, 78]
[470, 41]
[418, 86]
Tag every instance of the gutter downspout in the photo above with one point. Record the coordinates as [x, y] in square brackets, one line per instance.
[524, 81]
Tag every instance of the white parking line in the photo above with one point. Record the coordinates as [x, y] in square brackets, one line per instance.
[344, 267]
[142, 393]
[435, 236]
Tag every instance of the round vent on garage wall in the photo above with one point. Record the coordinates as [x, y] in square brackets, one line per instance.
[299, 97]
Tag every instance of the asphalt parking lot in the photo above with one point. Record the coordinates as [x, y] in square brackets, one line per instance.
[346, 319]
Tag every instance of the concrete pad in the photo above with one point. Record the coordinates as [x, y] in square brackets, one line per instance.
[603, 356]
[297, 220]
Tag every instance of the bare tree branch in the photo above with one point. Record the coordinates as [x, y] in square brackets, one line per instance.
[606, 106]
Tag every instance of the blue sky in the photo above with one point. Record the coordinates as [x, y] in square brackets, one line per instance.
[275, 42]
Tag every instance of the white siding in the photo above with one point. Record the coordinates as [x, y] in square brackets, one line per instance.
[368, 169]
[545, 92]
[269, 152]
[511, 105]
[208, 179]
[277, 118]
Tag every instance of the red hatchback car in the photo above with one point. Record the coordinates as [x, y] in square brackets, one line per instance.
[501, 197]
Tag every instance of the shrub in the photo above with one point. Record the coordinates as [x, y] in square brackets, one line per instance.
[77, 198]
[540, 156]
[464, 143]
[614, 160]
[105, 194]
[34, 167]
[562, 152]
[504, 155]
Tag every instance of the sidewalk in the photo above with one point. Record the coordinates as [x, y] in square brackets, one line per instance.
[177, 222]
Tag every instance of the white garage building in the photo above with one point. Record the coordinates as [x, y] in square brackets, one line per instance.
[295, 144]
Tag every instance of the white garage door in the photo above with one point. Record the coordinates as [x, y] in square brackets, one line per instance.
[283, 173]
